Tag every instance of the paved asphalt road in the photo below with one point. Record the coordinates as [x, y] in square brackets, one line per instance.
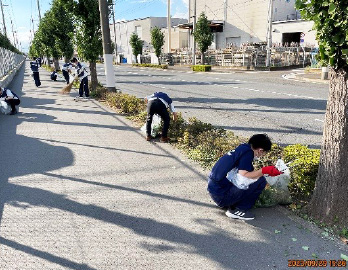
[244, 102]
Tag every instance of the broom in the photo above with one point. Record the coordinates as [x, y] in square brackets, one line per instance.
[67, 89]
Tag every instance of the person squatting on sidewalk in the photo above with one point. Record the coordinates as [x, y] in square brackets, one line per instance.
[34, 65]
[239, 194]
[66, 69]
[83, 77]
[10, 98]
[54, 75]
[158, 103]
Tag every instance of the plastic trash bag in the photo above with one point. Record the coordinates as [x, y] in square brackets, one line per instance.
[155, 126]
[239, 180]
[279, 184]
[4, 107]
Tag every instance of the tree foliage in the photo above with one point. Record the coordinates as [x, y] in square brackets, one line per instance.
[6, 44]
[202, 34]
[54, 34]
[88, 37]
[331, 23]
[157, 40]
[136, 44]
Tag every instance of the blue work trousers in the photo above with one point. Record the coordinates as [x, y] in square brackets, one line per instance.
[84, 87]
[243, 199]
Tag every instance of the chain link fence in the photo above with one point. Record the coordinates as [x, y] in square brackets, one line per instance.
[9, 61]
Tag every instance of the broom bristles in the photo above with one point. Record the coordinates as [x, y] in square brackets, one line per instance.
[67, 89]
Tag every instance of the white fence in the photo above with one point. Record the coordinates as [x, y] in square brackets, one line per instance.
[9, 61]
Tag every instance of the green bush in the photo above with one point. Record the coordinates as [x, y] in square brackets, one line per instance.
[202, 68]
[303, 170]
[193, 129]
[100, 92]
[151, 66]
[177, 128]
[127, 104]
[211, 145]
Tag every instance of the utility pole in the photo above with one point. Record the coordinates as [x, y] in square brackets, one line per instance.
[269, 33]
[14, 37]
[113, 18]
[3, 17]
[169, 26]
[38, 7]
[189, 19]
[193, 30]
[109, 68]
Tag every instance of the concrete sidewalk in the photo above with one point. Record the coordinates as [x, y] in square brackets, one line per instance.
[80, 188]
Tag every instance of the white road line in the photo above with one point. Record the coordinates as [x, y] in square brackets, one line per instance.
[319, 120]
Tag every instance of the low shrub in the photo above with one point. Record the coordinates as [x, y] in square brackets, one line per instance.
[100, 92]
[150, 66]
[303, 168]
[127, 104]
[211, 145]
[202, 68]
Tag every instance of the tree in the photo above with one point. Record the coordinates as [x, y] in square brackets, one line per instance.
[157, 40]
[44, 38]
[63, 29]
[88, 37]
[137, 45]
[203, 35]
[329, 200]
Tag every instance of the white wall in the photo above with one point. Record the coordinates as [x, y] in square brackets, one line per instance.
[295, 26]
[245, 20]
[143, 26]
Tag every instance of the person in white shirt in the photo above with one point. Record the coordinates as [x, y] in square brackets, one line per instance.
[158, 103]
[82, 76]
[10, 98]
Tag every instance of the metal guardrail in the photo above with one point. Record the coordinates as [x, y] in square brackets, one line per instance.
[9, 61]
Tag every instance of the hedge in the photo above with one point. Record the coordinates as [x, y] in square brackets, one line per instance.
[151, 66]
[202, 68]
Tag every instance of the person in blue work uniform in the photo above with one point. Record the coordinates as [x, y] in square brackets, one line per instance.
[10, 98]
[34, 66]
[66, 69]
[82, 76]
[54, 75]
[239, 195]
[158, 103]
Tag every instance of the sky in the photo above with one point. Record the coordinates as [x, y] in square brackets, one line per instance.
[24, 13]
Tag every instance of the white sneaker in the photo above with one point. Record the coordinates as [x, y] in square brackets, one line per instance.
[239, 214]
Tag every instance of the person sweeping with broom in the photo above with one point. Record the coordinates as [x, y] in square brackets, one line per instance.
[82, 75]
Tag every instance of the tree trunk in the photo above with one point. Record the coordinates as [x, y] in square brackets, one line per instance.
[330, 200]
[159, 61]
[48, 61]
[56, 64]
[94, 78]
[202, 58]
